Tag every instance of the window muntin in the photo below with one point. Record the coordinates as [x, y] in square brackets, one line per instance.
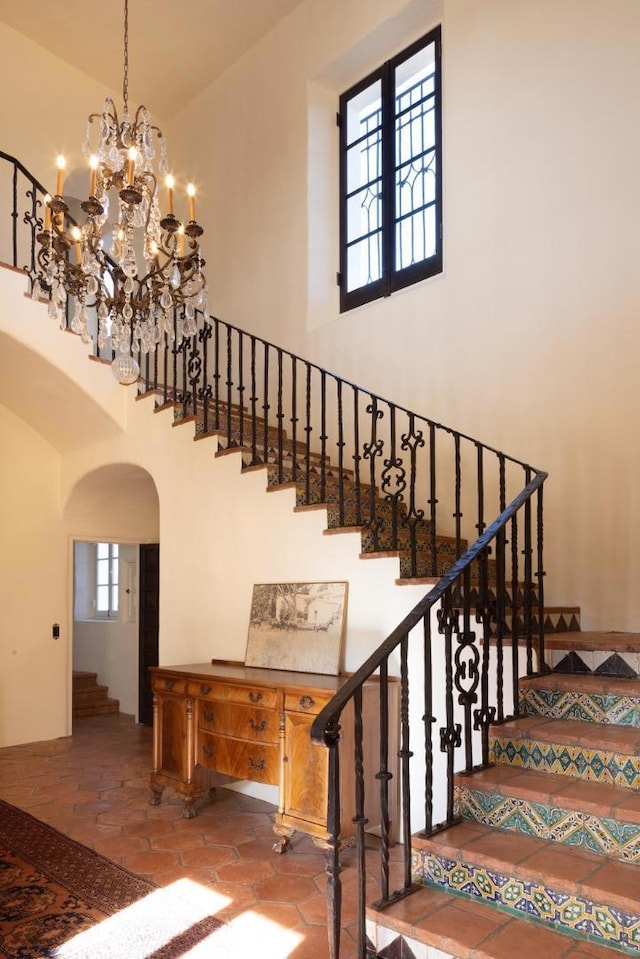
[107, 579]
[391, 193]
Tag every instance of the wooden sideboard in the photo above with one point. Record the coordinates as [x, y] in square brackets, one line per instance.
[217, 722]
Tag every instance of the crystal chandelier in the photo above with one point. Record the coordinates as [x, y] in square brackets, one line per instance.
[137, 308]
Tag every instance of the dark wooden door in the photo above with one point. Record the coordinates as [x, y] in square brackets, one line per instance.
[148, 628]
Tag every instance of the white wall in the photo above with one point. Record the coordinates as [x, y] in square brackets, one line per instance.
[528, 340]
[33, 665]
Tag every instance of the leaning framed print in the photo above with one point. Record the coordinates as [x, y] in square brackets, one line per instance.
[297, 626]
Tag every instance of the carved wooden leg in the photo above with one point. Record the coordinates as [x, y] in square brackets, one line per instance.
[156, 794]
[189, 807]
[284, 834]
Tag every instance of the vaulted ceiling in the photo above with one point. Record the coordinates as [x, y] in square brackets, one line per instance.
[175, 49]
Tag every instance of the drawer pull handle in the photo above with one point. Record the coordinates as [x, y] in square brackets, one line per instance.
[208, 751]
[255, 697]
[307, 702]
[256, 764]
[170, 683]
[208, 715]
[258, 726]
[204, 690]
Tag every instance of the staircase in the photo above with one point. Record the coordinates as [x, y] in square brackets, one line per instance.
[89, 698]
[546, 853]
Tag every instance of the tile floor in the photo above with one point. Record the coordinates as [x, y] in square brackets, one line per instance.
[94, 786]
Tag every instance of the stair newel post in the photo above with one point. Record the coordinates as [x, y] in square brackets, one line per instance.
[356, 454]
[254, 405]
[294, 418]
[280, 417]
[515, 588]
[229, 385]
[241, 388]
[334, 883]
[528, 579]
[540, 574]
[308, 429]
[323, 436]
[450, 734]
[340, 452]
[428, 720]
[265, 404]
[405, 755]
[457, 515]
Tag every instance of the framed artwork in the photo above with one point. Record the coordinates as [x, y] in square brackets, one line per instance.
[297, 626]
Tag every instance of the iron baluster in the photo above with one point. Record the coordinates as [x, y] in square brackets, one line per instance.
[279, 419]
[540, 574]
[323, 436]
[450, 733]
[500, 590]
[229, 384]
[393, 477]
[383, 776]
[356, 455]
[340, 444]
[372, 450]
[253, 399]
[241, 389]
[294, 418]
[411, 441]
[527, 598]
[428, 720]
[485, 715]
[480, 525]
[360, 821]
[457, 515]
[331, 738]
[515, 592]
[433, 500]
[405, 755]
[308, 430]
[216, 377]
[204, 336]
[265, 405]
[14, 216]
[466, 675]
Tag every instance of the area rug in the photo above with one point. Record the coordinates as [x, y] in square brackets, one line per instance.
[61, 900]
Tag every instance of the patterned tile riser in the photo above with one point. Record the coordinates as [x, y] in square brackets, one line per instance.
[587, 707]
[598, 834]
[623, 664]
[591, 764]
[565, 911]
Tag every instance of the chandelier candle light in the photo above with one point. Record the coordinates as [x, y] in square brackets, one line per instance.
[137, 308]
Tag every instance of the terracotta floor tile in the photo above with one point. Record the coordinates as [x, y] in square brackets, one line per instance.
[149, 862]
[117, 847]
[284, 889]
[245, 871]
[211, 857]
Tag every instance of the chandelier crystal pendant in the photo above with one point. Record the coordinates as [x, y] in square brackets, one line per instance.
[141, 272]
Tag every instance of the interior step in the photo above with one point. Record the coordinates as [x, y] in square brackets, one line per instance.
[600, 653]
[582, 696]
[433, 924]
[601, 818]
[592, 751]
[580, 893]
[89, 697]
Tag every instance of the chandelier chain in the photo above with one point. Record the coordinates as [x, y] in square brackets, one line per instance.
[125, 80]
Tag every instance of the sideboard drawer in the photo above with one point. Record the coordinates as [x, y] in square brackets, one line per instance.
[258, 762]
[239, 722]
[262, 696]
[300, 702]
[167, 684]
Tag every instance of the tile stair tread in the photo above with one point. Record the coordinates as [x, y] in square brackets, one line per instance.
[471, 929]
[594, 640]
[601, 799]
[571, 732]
[590, 683]
[573, 870]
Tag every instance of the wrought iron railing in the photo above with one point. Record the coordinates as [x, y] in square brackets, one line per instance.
[416, 489]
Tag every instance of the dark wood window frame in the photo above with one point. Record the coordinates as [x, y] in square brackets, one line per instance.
[382, 187]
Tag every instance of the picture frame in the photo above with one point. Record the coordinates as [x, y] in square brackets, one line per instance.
[297, 626]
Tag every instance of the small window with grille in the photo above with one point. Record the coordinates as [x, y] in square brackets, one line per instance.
[391, 176]
[106, 580]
